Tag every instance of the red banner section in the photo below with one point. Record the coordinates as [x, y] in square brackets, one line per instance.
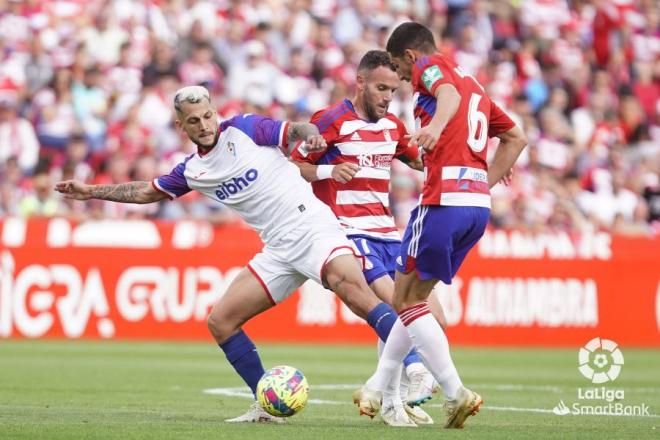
[146, 280]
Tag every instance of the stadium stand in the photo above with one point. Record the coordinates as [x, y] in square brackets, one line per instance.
[86, 90]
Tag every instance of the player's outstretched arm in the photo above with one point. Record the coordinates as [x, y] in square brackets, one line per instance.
[512, 142]
[131, 192]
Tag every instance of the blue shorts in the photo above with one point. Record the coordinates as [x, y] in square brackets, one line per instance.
[438, 238]
[380, 255]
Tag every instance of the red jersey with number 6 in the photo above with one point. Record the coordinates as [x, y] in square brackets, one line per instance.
[455, 172]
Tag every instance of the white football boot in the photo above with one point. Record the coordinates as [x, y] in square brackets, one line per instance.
[368, 401]
[421, 386]
[467, 403]
[256, 414]
[418, 415]
[394, 414]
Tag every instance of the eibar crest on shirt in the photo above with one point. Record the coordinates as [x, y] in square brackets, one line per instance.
[231, 147]
[431, 75]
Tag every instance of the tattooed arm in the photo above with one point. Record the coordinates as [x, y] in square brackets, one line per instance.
[308, 133]
[131, 192]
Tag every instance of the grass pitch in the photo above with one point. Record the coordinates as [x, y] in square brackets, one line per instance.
[116, 390]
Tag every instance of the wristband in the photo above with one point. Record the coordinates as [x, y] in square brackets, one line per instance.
[324, 171]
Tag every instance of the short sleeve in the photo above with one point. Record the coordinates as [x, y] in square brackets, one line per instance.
[428, 75]
[262, 130]
[174, 184]
[499, 121]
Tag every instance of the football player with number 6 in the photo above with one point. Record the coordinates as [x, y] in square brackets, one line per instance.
[455, 120]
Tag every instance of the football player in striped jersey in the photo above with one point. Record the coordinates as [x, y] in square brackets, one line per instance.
[352, 176]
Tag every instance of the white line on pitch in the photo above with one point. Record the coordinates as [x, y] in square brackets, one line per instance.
[243, 392]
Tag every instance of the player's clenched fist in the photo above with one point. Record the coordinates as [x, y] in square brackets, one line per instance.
[344, 172]
[426, 137]
[315, 143]
[72, 189]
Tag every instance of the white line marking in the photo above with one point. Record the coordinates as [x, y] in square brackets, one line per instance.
[243, 392]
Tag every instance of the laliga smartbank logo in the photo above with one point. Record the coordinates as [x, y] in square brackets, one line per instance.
[600, 361]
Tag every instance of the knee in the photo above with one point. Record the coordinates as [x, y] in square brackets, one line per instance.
[213, 323]
[220, 326]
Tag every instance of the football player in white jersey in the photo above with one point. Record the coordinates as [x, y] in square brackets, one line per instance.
[352, 177]
[240, 163]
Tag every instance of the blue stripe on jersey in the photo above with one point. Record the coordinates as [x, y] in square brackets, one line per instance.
[427, 103]
[175, 182]
[262, 130]
[331, 116]
[331, 112]
[422, 62]
[329, 156]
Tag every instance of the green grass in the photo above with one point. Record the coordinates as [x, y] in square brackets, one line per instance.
[69, 390]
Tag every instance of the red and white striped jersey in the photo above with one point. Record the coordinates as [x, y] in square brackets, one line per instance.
[361, 205]
[455, 171]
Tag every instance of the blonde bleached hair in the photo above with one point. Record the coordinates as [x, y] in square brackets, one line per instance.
[192, 94]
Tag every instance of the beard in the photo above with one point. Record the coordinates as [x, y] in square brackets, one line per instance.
[208, 147]
[370, 110]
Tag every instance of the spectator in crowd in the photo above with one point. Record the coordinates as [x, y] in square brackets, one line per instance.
[53, 114]
[17, 136]
[581, 77]
[40, 200]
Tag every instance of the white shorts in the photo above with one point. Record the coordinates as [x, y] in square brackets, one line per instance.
[300, 255]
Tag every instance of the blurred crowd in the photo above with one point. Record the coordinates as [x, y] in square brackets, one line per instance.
[86, 90]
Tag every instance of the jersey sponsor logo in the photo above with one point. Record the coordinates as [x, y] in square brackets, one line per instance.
[431, 75]
[466, 175]
[375, 160]
[233, 186]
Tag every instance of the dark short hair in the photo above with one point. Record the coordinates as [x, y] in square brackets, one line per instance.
[410, 35]
[374, 59]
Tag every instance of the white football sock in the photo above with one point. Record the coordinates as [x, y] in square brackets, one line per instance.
[433, 347]
[405, 382]
[392, 392]
[397, 346]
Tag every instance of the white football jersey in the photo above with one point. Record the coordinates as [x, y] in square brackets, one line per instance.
[248, 173]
